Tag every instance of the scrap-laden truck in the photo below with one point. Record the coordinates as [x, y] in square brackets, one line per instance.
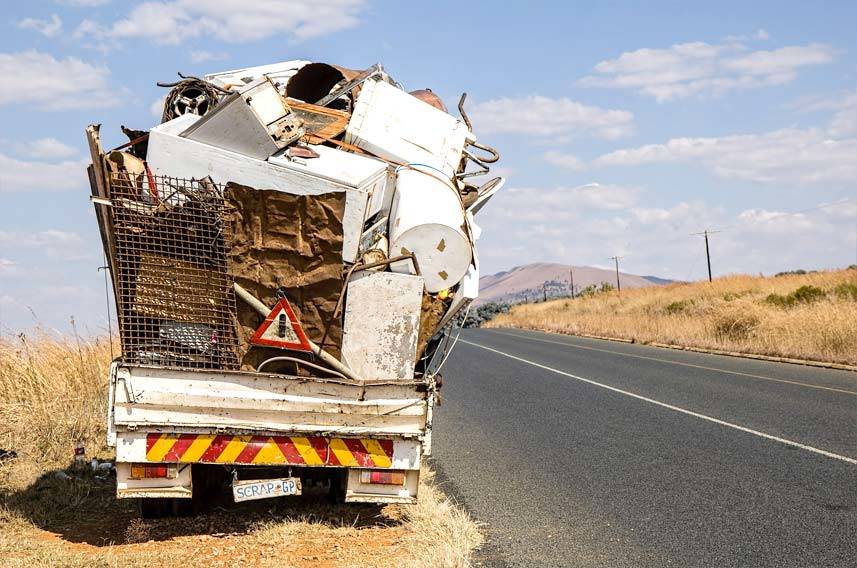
[290, 251]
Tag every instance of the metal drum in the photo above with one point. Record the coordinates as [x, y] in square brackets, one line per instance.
[427, 219]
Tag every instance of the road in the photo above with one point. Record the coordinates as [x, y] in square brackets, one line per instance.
[581, 452]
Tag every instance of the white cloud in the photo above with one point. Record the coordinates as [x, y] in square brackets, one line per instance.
[55, 84]
[202, 56]
[84, 3]
[687, 69]
[47, 238]
[234, 21]
[46, 148]
[759, 35]
[48, 28]
[157, 107]
[22, 175]
[543, 116]
[568, 161]
[844, 106]
[788, 156]
[542, 204]
[844, 122]
[683, 215]
[8, 267]
[49, 244]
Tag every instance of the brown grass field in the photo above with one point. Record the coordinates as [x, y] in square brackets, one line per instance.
[53, 392]
[807, 316]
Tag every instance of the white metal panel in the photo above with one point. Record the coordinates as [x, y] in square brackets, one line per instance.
[172, 155]
[390, 123]
[344, 168]
[382, 321]
[279, 73]
[155, 399]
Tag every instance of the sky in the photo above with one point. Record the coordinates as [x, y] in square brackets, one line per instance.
[624, 127]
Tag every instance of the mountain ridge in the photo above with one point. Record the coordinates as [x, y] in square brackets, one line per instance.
[530, 282]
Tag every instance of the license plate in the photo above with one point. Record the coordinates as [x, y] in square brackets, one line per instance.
[265, 488]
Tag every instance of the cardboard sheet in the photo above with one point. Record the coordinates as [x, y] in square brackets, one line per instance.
[279, 241]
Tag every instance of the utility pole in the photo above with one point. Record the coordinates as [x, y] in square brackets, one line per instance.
[705, 234]
[618, 284]
[571, 281]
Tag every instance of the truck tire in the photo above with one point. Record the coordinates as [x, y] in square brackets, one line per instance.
[338, 483]
[160, 508]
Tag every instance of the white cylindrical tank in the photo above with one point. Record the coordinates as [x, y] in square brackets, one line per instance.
[427, 219]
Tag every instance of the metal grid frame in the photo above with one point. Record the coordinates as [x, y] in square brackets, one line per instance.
[175, 297]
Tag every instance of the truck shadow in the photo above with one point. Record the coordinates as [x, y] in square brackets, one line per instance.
[81, 507]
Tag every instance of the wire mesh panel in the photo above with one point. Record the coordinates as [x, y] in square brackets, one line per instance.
[176, 300]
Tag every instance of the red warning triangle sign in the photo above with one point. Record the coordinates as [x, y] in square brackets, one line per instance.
[282, 329]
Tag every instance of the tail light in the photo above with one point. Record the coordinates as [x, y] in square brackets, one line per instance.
[376, 477]
[154, 471]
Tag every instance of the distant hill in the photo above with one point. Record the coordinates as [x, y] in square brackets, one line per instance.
[525, 283]
[658, 280]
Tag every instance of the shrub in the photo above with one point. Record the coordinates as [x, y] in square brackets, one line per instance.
[808, 294]
[735, 326]
[780, 301]
[588, 291]
[803, 295]
[846, 291]
[676, 307]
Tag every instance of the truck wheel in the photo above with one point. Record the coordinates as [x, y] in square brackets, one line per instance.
[153, 508]
[160, 508]
[338, 482]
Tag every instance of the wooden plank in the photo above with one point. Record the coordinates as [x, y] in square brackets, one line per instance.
[321, 123]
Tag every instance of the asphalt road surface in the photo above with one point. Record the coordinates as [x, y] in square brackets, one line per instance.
[581, 452]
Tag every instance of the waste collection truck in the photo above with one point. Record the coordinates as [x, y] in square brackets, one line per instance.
[291, 251]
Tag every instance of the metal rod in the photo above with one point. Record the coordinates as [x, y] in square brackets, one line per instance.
[464, 114]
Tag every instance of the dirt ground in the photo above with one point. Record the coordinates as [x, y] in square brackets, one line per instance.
[76, 521]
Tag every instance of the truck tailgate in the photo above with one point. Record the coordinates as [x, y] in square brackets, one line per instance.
[155, 399]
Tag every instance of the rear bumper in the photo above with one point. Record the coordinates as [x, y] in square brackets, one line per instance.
[236, 452]
[275, 449]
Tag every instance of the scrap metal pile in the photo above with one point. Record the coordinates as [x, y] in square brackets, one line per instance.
[296, 218]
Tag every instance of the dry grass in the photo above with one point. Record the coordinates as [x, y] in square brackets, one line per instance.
[768, 316]
[53, 392]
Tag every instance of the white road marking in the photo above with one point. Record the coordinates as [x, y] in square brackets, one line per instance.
[740, 374]
[672, 407]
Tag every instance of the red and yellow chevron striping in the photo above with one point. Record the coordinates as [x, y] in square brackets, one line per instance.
[269, 450]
